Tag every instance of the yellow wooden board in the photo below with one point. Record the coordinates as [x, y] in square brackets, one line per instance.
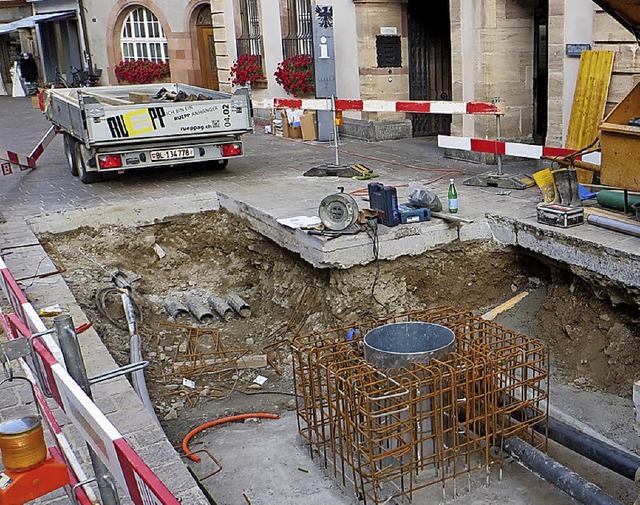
[589, 99]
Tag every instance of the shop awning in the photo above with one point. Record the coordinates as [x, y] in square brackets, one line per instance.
[30, 22]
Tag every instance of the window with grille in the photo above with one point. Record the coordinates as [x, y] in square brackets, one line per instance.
[142, 37]
[250, 39]
[298, 38]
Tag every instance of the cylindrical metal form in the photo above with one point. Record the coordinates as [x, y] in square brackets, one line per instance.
[22, 443]
[396, 345]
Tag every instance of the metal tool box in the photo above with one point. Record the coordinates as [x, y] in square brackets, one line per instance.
[561, 216]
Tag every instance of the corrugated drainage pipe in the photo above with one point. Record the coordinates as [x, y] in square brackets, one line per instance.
[559, 475]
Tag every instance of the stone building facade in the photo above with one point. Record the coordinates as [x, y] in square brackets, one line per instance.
[461, 50]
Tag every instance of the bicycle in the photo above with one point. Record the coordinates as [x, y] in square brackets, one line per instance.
[79, 78]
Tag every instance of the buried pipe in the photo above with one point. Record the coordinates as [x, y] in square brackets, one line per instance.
[621, 462]
[210, 424]
[221, 306]
[239, 305]
[559, 475]
[174, 307]
[198, 307]
[135, 355]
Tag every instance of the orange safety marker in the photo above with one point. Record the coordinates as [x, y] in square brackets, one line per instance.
[17, 488]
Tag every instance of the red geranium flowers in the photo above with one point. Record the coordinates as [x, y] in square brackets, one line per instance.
[141, 71]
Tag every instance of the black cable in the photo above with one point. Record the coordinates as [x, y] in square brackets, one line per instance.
[372, 232]
[101, 298]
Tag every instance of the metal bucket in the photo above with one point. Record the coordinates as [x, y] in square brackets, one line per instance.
[396, 345]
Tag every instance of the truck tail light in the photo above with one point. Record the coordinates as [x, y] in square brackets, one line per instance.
[110, 161]
[233, 149]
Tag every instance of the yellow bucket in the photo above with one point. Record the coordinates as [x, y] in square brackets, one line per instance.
[544, 180]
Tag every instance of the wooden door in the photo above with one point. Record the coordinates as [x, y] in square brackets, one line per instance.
[208, 64]
[429, 62]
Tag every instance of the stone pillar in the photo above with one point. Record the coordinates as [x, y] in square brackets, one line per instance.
[555, 110]
[271, 29]
[224, 34]
[492, 52]
[381, 83]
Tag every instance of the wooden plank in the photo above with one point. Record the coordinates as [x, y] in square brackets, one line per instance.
[109, 100]
[589, 99]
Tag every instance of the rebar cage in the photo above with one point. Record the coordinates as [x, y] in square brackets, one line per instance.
[391, 433]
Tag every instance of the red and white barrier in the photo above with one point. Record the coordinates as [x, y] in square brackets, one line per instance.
[14, 162]
[131, 472]
[511, 148]
[13, 328]
[416, 106]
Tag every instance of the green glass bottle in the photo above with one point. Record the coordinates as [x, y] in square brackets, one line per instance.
[452, 197]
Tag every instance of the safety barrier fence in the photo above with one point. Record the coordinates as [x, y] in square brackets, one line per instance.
[11, 162]
[499, 147]
[122, 461]
[414, 106]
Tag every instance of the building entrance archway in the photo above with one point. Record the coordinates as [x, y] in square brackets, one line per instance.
[207, 49]
[429, 62]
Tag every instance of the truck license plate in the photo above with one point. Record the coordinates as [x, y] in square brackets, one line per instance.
[172, 154]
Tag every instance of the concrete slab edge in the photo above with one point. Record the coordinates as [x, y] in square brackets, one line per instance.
[352, 250]
[576, 252]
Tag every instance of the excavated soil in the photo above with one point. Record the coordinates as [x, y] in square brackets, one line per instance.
[592, 343]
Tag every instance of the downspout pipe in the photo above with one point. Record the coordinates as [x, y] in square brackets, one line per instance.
[557, 474]
[621, 462]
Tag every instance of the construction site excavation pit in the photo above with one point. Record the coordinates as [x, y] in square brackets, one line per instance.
[222, 363]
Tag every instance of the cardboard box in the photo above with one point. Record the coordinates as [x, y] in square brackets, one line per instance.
[309, 126]
[290, 131]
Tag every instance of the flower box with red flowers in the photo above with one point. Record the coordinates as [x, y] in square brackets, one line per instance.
[142, 71]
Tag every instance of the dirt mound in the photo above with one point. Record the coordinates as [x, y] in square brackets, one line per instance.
[215, 253]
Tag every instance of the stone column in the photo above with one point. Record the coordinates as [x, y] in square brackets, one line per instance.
[224, 32]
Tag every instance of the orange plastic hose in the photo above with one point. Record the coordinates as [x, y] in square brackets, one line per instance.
[223, 420]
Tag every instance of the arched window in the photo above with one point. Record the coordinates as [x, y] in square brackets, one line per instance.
[142, 37]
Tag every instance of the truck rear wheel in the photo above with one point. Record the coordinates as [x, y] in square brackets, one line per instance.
[85, 176]
[69, 153]
[220, 164]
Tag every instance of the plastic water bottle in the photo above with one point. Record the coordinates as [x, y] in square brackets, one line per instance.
[452, 196]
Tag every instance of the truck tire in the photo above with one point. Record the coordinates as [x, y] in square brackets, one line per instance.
[220, 164]
[69, 153]
[85, 176]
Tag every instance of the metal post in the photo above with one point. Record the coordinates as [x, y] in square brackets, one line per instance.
[72, 355]
[335, 130]
[85, 35]
[498, 135]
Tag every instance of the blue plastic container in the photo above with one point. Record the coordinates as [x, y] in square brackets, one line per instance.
[384, 199]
